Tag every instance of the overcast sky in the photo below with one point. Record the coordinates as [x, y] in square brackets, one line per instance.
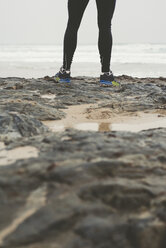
[44, 22]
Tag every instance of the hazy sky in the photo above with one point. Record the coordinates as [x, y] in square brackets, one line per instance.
[44, 21]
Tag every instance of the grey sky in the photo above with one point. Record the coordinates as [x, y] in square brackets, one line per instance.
[44, 21]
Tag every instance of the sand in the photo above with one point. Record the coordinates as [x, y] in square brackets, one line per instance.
[94, 118]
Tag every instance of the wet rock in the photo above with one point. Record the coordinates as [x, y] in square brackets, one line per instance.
[14, 125]
[102, 232]
[27, 107]
[84, 189]
[121, 199]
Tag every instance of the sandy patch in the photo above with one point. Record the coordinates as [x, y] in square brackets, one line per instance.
[74, 115]
[8, 157]
[49, 96]
[92, 117]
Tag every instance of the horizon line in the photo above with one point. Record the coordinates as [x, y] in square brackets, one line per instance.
[82, 44]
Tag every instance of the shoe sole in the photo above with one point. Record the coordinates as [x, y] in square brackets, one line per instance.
[109, 84]
[60, 80]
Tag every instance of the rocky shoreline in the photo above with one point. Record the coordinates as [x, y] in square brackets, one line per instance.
[81, 189]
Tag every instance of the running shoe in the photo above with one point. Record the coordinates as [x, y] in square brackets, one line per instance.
[63, 76]
[107, 79]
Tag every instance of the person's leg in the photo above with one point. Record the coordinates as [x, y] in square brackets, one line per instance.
[76, 10]
[105, 13]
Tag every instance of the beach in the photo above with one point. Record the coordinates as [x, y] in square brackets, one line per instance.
[136, 60]
[82, 165]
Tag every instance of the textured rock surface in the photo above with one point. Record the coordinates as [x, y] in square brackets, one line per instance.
[85, 189]
[14, 125]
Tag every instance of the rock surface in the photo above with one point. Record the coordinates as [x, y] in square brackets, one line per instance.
[85, 189]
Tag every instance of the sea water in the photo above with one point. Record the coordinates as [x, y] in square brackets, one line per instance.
[141, 60]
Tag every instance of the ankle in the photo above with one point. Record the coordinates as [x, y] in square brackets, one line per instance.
[107, 73]
[63, 70]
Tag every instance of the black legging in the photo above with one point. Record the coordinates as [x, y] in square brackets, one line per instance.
[76, 10]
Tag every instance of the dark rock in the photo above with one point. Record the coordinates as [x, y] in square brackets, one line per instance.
[85, 189]
[14, 125]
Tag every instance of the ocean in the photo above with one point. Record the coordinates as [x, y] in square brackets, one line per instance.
[140, 60]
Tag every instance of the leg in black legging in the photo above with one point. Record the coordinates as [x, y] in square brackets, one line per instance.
[76, 10]
[105, 13]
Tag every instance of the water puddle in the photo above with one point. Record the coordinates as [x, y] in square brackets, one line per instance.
[136, 125]
[131, 125]
[8, 157]
[55, 126]
[87, 126]
[49, 96]
[34, 91]
[89, 117]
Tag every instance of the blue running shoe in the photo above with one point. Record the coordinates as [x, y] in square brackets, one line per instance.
[107, 79]
[63, 76]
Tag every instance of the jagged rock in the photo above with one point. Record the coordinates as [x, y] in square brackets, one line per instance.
[14, 125]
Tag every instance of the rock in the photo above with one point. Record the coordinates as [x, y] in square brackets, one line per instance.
[85, 189]
[14, 125]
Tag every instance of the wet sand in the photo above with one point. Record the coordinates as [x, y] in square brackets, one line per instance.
[93, 118]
